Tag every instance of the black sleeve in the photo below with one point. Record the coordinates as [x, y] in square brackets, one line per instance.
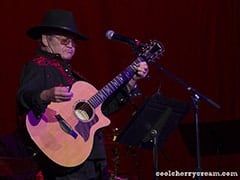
[118, 99]
[28, 94]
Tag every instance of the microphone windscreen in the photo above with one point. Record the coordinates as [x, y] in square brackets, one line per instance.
[109, 34]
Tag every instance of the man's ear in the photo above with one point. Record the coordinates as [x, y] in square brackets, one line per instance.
[44, 40]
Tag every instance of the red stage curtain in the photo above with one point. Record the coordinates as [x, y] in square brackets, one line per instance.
[202, 41]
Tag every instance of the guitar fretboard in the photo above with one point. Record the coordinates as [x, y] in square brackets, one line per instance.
[113, 85]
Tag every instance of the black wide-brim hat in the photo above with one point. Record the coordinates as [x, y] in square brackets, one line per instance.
[56, 21]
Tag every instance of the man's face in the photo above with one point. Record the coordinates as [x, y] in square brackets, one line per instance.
[60, 44]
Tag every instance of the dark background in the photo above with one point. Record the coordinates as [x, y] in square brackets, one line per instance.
[202, 42]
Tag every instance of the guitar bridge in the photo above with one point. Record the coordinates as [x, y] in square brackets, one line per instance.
[65, 126]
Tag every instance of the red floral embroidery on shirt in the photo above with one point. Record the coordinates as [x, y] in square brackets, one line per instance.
[43, 61]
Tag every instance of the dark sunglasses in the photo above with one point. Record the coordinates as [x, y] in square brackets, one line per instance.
[65, 41]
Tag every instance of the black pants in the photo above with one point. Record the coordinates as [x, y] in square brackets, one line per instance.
[89, 170]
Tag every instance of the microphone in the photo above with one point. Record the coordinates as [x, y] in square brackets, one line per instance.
[111, 35]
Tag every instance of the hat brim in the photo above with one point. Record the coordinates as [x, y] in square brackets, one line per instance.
[36, 32]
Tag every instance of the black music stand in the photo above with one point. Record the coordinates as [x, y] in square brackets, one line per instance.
[152, 123]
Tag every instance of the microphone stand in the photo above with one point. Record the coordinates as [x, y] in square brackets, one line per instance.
[154, 135]
[196, 96]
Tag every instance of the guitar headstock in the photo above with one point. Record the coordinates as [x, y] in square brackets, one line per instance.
[151, 51]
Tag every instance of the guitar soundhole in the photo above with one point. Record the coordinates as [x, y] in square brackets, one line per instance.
[83, 111]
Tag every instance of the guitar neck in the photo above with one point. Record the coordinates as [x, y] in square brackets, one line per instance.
[113, 85]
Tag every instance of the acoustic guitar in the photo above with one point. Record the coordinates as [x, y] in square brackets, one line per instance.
[65, 132]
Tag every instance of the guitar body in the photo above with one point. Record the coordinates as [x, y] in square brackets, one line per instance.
[65, 132]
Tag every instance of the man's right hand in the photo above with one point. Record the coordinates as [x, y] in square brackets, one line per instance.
[56, 94]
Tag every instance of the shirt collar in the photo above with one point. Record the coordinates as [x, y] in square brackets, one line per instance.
[49, 55]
